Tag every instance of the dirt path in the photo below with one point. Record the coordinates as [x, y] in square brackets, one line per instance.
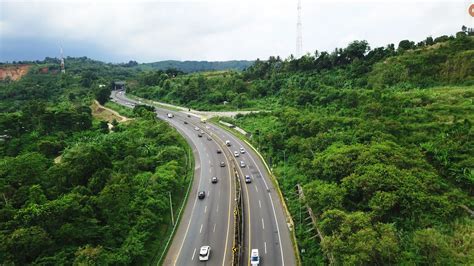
[101, 112]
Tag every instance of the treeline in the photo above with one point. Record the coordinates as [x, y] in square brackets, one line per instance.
[196, 66]
[71, 190]
[440, 61]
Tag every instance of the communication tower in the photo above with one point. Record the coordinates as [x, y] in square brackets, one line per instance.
[299, 34]
[63, 70]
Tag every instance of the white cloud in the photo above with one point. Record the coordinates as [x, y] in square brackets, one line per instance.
[220, 30]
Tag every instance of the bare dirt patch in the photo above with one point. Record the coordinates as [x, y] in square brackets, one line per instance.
[13, 72]
[103, 113]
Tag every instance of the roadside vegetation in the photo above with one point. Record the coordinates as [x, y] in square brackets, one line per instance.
[106, 200]
[381, 141]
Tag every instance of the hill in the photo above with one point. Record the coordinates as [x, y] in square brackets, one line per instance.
[197, 66]
[381, 141]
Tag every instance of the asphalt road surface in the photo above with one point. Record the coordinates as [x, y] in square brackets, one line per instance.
[210, 221]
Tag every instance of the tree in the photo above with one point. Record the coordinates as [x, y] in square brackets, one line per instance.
[405, 45]
[27, 243]
[102, 94]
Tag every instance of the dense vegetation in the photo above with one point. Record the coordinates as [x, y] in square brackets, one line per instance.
[380, 139]
[73, 192]
[196, 66]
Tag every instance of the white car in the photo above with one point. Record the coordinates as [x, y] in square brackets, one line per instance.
[196, 128]
[248, 179]
[254, 258]
[227, 143]
[204, 253]
[242, 150]
[242, 164]
[170, 115]
[236, 153]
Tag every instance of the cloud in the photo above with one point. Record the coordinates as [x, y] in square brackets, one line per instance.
[213, 30]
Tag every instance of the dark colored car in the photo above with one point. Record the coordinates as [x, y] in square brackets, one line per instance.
[219, 151]
[201, 194]
[200, 135]
[185, 122]
[214, 179]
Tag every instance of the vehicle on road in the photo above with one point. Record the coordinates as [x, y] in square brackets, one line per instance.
[189, 115]
[200, 135]
[242, 164]
[209, 138]
[196, 128]
[248, 179]
[214, 179]
[242, 150]
[222, 164]
[170, 115]
[201, 194]
[219, 151]
[236, 153]
[204, 253]
[254, 257]
[185, 122]
[227, 143]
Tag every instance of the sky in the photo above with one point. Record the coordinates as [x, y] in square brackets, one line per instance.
[212, 30]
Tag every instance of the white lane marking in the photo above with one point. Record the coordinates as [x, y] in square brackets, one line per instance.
[214, 229]
[263, 224]
[194, 253]
[210, 170]
[278, 230]
[219, 194]
[190, 219]
[205, 209]
[271, 201]
[209, 161]
[207, 155]
[256, 188]
[260, 204]
[265, 244]
[217, 210]
[200, 230]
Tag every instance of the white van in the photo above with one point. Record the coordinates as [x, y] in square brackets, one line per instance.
[170, 115]
[227, 143]
[254, 258]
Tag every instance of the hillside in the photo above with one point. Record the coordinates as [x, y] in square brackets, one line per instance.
[13, 72]
[74, 192]
[381, 140]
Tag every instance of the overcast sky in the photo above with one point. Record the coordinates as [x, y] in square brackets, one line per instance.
[148, 31]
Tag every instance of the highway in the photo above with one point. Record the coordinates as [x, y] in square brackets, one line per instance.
[210, 221]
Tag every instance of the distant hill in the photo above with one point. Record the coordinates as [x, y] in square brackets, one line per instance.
[197, 66]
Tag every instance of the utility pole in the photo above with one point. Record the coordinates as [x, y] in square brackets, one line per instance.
[171, 205]
[299, 32]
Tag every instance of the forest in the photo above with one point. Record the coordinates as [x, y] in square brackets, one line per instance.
[381, 140]
[74, 191]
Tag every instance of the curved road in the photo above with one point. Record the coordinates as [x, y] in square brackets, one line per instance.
[210, 221]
